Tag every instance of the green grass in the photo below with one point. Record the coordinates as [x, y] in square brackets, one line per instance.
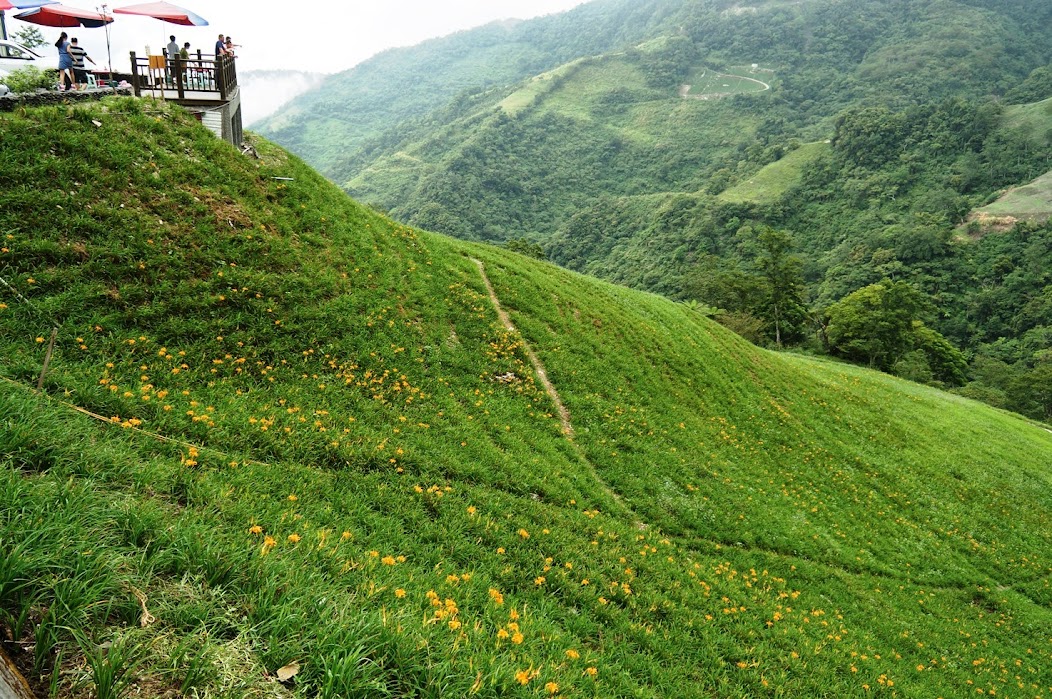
[584, 92]
[398, 173]
[1033, 119]
[741, 80]
[352, 488]
[534, 88]
[1032, 201]
[773, 181]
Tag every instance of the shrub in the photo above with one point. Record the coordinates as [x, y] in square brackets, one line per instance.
[30, 78]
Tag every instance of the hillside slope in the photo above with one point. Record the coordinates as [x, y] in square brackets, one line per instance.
[328, 125]
[655, 157]
[364, 490]
[818, 57]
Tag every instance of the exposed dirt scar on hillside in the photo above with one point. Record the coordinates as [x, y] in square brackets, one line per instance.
[538, 367]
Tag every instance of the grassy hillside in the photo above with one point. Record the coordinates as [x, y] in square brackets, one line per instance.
[1032, 202]
[324, 467]
[653, 157]
[1033, 120]
[912, 150]
[774, 181]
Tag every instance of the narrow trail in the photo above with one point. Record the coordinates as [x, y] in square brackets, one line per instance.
[538, 367]
[564, 414]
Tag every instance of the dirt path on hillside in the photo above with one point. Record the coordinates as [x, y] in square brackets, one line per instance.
[538, 367]
[564, 414]
[684, 90]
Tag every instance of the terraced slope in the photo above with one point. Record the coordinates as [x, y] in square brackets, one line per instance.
[363, 490]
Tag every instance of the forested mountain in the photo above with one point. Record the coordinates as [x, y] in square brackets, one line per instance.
[375, 97]
[659, 145]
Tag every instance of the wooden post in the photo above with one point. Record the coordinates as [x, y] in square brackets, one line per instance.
[180, 74]
[231, 73]
[221, 76]
[47, 358]
[135, 74]
[12, 684]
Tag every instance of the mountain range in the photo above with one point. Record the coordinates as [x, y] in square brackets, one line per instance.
[651, 143]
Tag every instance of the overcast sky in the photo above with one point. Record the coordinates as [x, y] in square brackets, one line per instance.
[317, 35]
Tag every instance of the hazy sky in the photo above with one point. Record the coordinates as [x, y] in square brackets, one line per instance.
[320, 35]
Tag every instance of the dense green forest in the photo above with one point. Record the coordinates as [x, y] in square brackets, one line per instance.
[779, 165]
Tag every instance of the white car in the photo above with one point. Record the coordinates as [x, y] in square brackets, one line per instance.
[14, 56]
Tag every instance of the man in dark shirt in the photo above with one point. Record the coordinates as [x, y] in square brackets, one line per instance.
[220, 47]
[78, 55]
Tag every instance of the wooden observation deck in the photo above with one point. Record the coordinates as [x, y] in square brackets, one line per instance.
[205, 85]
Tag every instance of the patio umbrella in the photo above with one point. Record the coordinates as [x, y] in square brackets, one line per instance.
[21, 5]
[56, 15]
[164, 11]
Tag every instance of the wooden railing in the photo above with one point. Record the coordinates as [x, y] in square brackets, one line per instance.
[195, 78]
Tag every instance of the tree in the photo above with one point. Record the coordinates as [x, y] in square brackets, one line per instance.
[1039, 382]
[783, 305]
[1035, 88]
[947, 363]
[868, 136]
[30, 37]
[722, 284]
[525, 247]
[874, 324]
[761, 298]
